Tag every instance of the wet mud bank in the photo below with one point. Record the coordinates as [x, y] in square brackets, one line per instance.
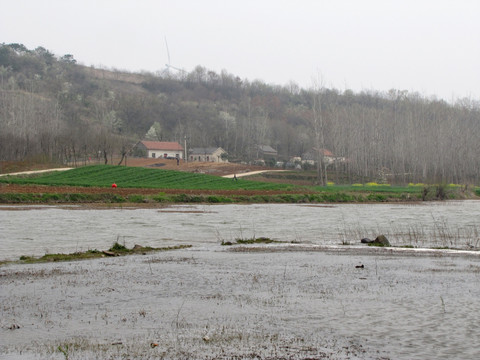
[215, 303]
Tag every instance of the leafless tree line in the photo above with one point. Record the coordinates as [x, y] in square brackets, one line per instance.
[34, 127]
[59, 111]
[406, 138]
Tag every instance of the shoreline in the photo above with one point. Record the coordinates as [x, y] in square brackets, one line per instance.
[278, 247]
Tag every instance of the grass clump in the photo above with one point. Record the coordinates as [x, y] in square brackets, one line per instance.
[377, 244]
[254, 240]
[90, 254]
[116, 250]
[260, 240]
[116, 247]
[136, 199]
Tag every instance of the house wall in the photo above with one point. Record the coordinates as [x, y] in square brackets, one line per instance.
[214, 157]
[165, 153]
[266, 155]
[205, 158]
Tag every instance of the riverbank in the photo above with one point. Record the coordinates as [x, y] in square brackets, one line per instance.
[43, 194]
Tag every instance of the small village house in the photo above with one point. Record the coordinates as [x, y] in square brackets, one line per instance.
[209, 154]
[266, 152]
[311, 156]
[160, 149]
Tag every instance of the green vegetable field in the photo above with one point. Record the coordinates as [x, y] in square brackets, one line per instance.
[137, 177]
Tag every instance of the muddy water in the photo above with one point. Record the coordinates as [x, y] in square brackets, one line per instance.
[203, 304]
[37, 230]
[217, 302]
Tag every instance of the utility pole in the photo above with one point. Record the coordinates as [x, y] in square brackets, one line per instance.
[186, 152]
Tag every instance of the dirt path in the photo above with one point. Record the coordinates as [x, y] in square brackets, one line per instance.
[230, 176]
[35, 171]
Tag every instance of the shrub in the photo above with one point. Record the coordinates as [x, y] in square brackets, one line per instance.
[160, 197]
[213, 199]
[136, 198]
[180, 198]
[376, 197]
[78, 197]
[50, 197]
[441, 192]
[118, 247]
[219, 199]
[117, 198]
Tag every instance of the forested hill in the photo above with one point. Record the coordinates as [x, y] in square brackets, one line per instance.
[55, 109]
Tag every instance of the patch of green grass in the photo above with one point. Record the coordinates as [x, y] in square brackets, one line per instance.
[116, 247]
[376, 197]
[260, 240]
[109, 197]
[377, 244]
[116, 250]
[66, 257]
[214, 199]
[53, 198]
[136, 198]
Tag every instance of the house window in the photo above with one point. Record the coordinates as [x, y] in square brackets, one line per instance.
[153, 155]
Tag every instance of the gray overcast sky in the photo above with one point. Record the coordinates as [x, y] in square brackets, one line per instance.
[428, 46]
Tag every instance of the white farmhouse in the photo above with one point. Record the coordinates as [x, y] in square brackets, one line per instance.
[161, 149]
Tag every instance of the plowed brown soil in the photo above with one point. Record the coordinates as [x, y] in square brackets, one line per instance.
[39, 189]
[211, 168]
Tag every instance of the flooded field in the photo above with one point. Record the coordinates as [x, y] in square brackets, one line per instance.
[36, 230]
[313, 299]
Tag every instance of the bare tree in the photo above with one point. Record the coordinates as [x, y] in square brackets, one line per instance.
[318, 132]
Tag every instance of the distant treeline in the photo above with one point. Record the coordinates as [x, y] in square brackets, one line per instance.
[53, 109]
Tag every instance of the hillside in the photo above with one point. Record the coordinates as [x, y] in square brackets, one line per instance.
[53, 110]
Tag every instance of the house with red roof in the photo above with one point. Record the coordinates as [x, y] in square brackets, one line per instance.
[160, 149]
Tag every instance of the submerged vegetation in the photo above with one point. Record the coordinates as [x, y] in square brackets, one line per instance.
[253, 240]
[116, 250]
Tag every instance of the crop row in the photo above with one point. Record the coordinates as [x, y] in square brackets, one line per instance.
[136, 177]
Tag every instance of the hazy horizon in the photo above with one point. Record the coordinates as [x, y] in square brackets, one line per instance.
[425, 46]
